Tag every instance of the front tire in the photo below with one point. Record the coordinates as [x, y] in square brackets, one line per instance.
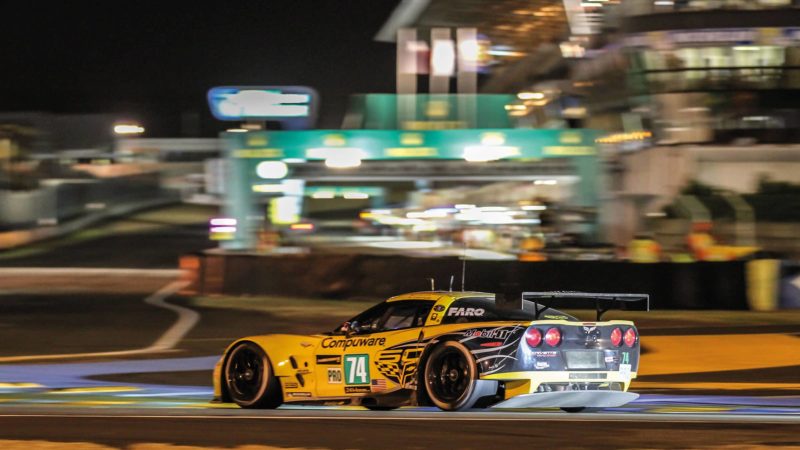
[451, 378]
[249, 378]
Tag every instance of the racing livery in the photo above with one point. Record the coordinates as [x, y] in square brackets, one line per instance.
[454, 350]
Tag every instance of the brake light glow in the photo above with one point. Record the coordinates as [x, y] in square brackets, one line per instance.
[616, 337]
[533, 337]
[630, 337]
[552, 337]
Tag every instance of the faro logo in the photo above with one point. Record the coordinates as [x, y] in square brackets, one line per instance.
[465, 312]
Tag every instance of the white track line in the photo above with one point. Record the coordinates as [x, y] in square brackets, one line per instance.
[187, 319]
[93, 271]
[442, 417]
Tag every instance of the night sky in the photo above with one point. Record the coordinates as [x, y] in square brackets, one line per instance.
[156, 60]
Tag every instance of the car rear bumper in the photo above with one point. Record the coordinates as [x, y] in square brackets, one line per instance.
[569, 399]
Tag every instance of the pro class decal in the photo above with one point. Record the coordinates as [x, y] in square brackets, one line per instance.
[334, 375]
[356, 369]
[334, 360]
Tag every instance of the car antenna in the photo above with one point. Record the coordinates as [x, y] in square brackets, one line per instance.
[451, 282]
[433, 284]
[463, 266]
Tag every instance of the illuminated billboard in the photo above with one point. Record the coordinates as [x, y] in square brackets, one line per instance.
[293, 106]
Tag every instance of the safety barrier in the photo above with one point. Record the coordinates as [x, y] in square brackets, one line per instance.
[61, 200]
[733, 285]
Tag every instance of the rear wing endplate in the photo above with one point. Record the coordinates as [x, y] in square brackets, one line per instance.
[603, 302]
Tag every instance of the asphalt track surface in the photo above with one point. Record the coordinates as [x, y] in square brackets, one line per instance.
[163, 396]
[435, 430]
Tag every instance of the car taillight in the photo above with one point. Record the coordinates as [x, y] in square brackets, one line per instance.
[552, 337]
[533, 337]
[630, 337]
[616, 337]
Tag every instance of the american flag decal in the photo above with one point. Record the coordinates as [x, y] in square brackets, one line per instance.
[378, 385]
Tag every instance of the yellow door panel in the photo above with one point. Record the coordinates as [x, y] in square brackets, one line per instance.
[395, 365]
[362, 364]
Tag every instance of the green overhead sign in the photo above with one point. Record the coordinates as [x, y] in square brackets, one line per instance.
[470, 144]
[429, 111]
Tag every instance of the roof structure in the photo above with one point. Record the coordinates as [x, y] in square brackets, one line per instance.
[521, 25]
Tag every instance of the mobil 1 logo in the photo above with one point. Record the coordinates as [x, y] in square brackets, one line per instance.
[356, 369]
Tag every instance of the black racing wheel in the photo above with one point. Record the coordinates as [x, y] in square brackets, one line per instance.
[451, 378]
[249, 378]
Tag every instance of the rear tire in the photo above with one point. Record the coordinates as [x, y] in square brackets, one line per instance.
[451, 378]
[249, 378]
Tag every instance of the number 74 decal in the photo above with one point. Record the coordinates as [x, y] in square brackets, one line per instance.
[356, 369]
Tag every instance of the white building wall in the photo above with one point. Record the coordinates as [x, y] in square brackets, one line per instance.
[653, 177]
[740, 169]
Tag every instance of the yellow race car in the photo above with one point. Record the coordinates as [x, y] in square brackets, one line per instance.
[454, 350]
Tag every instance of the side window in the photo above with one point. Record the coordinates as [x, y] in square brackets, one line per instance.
[407, 314]
[468, 310]
[391, 316]
[422, 313]
[369, 320]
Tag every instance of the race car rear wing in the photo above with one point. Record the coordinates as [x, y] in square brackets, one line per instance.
[603, 302]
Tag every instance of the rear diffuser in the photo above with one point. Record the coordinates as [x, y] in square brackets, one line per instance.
[569, 399]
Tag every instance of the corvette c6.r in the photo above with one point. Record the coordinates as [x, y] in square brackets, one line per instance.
[454, 350]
